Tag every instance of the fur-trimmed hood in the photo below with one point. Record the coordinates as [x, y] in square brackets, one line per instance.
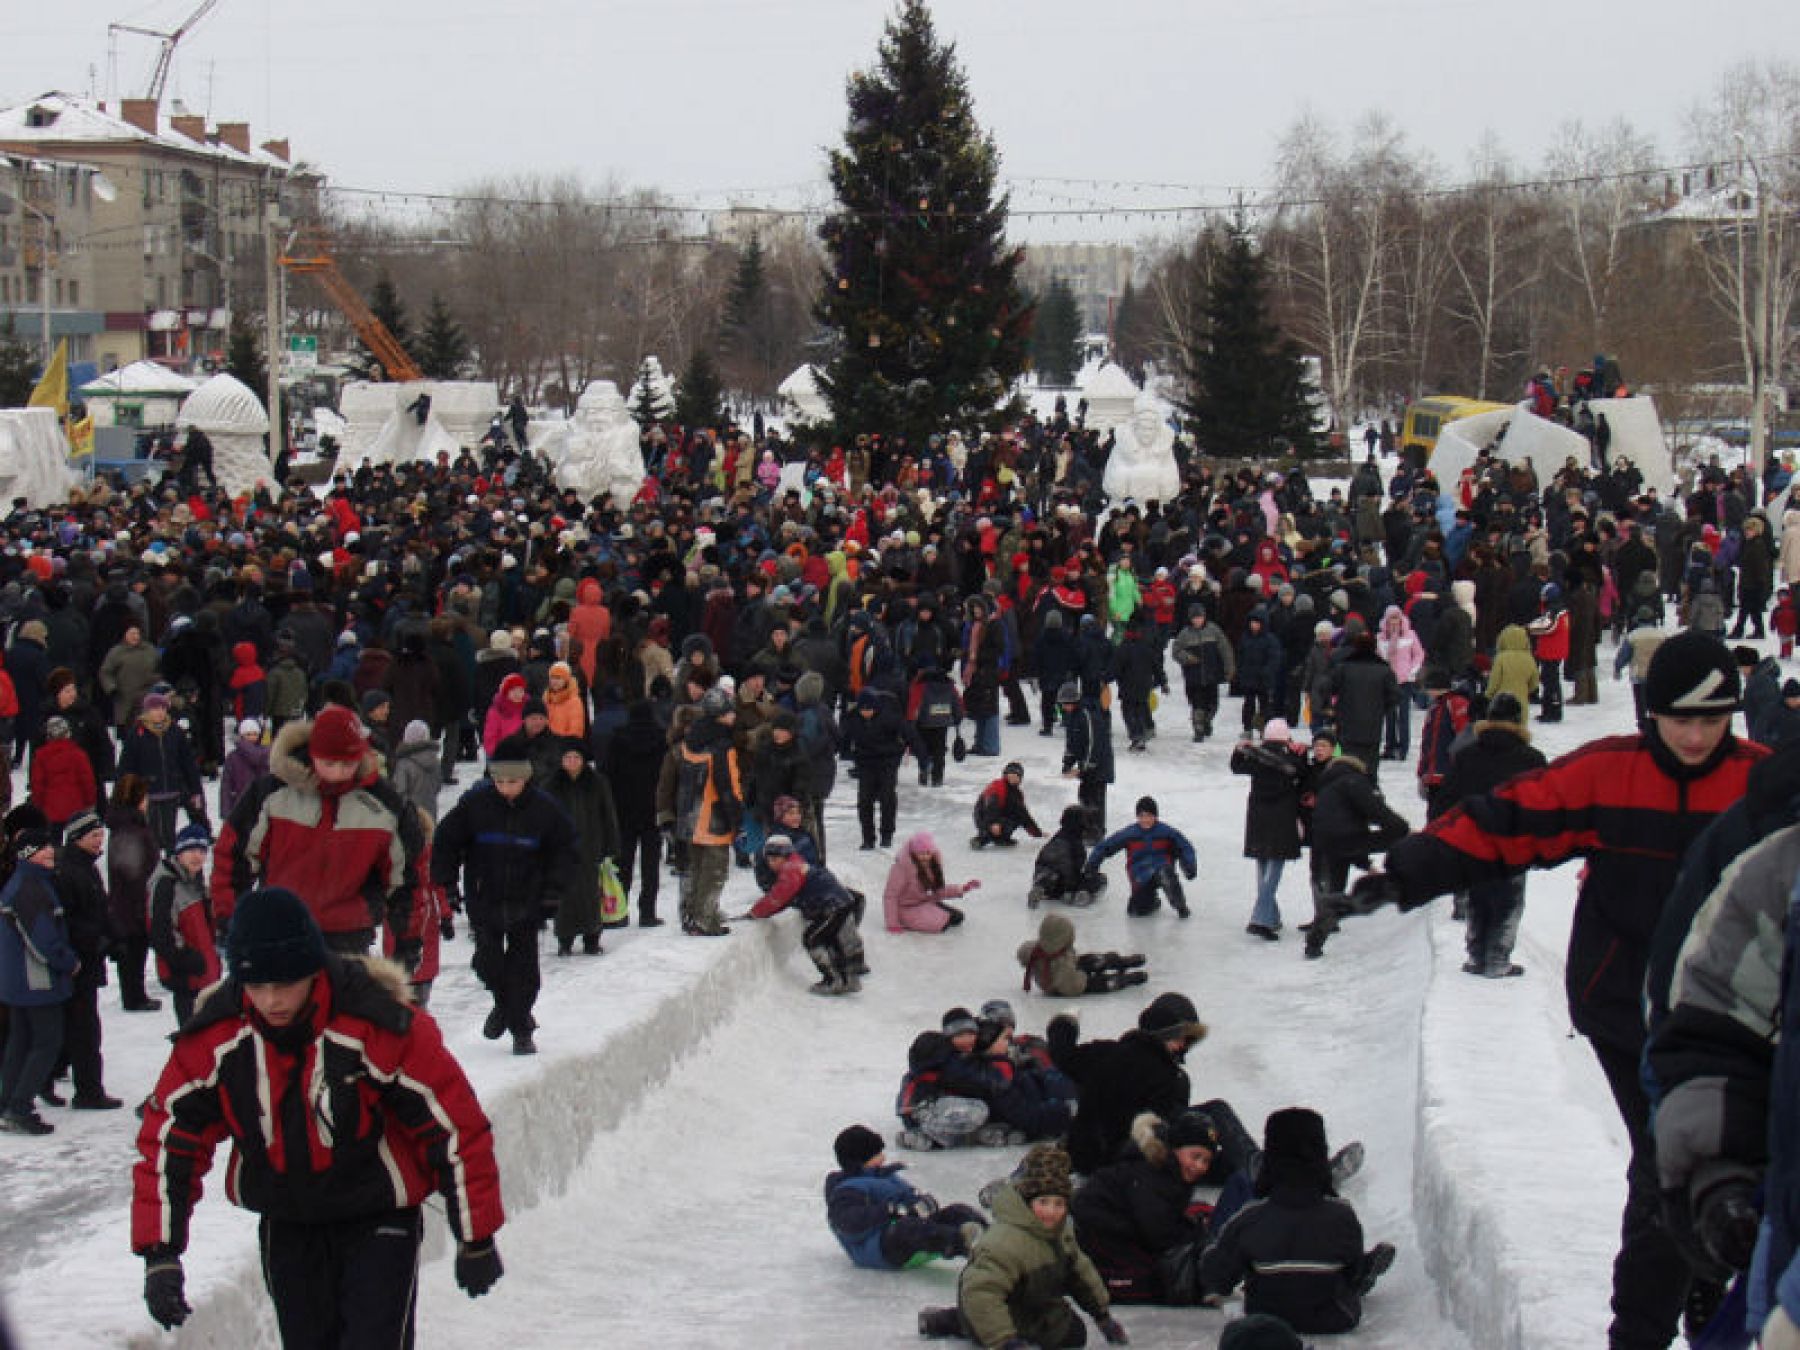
[1147, 1138]
[1514, 728]
[289, 763]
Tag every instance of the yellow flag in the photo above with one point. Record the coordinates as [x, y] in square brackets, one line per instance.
[53, 389]
[81, 437]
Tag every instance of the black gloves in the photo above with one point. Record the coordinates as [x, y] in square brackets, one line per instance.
[409, 953]
[163, 1291]
[1190, 872]
[447, 927]
[1114, 1333]
[478, 1267]
[1726, 1224]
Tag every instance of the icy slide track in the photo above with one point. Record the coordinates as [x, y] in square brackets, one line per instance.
[662, 1157]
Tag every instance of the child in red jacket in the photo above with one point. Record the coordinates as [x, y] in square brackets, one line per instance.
[1785, 621]
[62, 779]
[181, 928]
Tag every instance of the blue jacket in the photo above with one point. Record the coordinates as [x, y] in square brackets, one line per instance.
[36, 958]
[1147, 852]
[860, 1206]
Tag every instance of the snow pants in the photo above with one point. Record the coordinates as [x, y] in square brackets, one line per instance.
[1138, 724]
[506, 962]
[931, 768]
[348, 1285]
[939, 1235]
[1650, 1276]
[1494, 911]
[1146, 895]
[34, 1038]
[875, 787]
[1203, 706]
[708, 866]
[833, 944]
[1092, 794]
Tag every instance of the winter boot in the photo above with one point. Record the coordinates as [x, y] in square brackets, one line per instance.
[565, 947]
[1111, 981]
[937, 1324]
[495, 1025]
[1346, 1162]
[1036, 896]
[997, 1134]
[25, 1122]
[916, 1140]
[523, 1044]
[590, 945]
[1377, 1261]
[828, 987]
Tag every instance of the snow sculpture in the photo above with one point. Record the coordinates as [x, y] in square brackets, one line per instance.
[234, 421]
[801, 399]
[601, 451]
[1111, 398]
[1142, 463]
[34, 458]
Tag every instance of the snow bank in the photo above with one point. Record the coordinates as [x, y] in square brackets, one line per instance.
[1516, 1187]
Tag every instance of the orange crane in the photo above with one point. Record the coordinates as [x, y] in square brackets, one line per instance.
[311, 256]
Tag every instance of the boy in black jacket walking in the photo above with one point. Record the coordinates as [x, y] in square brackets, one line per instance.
[1350, 821]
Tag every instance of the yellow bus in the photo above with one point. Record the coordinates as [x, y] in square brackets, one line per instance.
[1428, 417]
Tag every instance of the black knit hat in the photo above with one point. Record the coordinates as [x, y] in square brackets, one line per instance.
[856, 1145]
[1506, 708]
[957, 1021]
[1296, 1134]
[273, 939]
[1191, 1128]
[83, 823]
[1692, 675]
[1146, 804]
[29, 841]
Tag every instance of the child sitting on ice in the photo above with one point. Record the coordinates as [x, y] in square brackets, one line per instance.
[1053, 964]
[1012, 1292]
[880, 1220]
[1152, 852]
[1000, 811]
[1297, 1248]
[1060, 871]
[916, 896]
[936, 1105]
[830, 935]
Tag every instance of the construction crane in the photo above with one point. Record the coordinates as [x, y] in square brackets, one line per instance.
[310, 255]
[159, 77]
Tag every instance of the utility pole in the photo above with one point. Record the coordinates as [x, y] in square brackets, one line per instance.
[273, 342]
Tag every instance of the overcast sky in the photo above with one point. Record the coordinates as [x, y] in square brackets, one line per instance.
[715, 97]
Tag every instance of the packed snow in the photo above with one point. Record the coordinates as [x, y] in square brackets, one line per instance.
[663, 1156]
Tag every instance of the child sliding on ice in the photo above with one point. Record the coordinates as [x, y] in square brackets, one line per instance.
[880, 1220]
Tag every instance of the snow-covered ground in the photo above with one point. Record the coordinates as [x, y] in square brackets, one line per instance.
[663, 1155]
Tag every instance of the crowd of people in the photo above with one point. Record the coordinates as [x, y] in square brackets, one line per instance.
[682, 682]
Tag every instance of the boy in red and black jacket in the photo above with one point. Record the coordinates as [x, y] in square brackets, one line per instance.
[1000, 810]
[1630, 806]
[344, 1112]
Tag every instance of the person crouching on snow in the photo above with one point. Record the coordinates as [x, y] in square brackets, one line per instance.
[880, 1220]
[1059, 871]
[1012, 1292]
[1054, 966]
[1298, 1248]
[830, 935]
[916, 891]
[1000, 811]
[1152, 851]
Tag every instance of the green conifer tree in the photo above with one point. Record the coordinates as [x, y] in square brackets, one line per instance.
[443, 349]
[921, 294]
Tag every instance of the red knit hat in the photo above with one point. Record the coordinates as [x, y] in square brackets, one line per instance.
[337, 735]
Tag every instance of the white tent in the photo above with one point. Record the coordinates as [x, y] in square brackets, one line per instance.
[1637, 434]
[34, 457]
[140, 377]
[234, 421]
[1110, 396]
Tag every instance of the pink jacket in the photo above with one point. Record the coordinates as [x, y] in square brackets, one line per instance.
[906, 902]
[1399, 646]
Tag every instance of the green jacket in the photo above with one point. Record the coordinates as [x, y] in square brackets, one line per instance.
[1017, 1275]
[1515, 669]
[1122, 594]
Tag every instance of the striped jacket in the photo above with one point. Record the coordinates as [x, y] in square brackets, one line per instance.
[369, 1114]
[1627, 806]
[351, 856]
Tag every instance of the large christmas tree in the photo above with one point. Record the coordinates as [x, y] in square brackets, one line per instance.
[1247, 393]
[922, 292]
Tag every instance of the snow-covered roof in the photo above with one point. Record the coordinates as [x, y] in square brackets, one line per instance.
[56, 119]
[140, 377]
[224, 405]
[1110, 381]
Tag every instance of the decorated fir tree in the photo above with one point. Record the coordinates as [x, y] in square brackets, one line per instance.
[1247, 392]
[651, 398]
[921, 293]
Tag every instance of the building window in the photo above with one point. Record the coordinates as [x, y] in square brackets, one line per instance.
[74, 293]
